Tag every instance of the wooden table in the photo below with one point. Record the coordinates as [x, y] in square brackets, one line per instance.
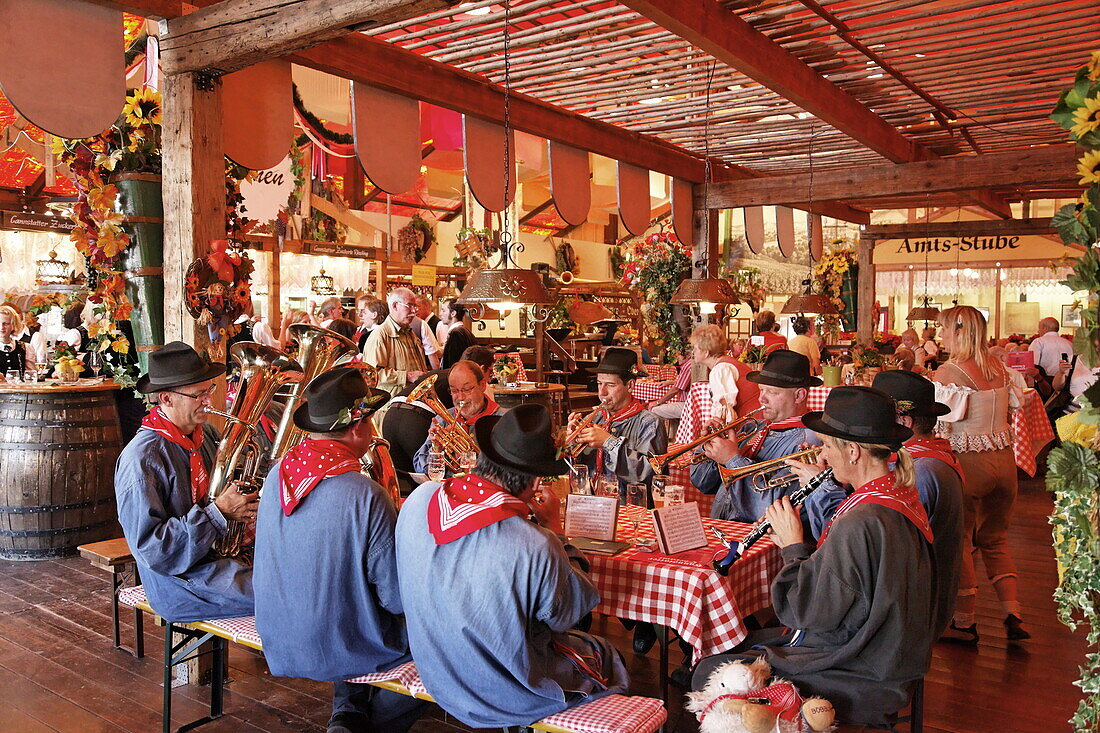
[58, 445]
[546, 394]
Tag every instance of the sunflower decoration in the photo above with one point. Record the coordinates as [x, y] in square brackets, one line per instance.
[143, 108]
[1089, 168]
[1086, 118]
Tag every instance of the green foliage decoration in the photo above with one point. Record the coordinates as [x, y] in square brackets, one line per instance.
[1073, 468]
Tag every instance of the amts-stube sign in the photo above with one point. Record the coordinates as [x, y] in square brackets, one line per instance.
[946, 251]
[999, 243]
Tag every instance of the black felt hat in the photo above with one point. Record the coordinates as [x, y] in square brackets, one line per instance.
[914, 394]
[861, 415]
[521, 440]
[176, 365]
[784, 368]
[335, 399]
[620, 361]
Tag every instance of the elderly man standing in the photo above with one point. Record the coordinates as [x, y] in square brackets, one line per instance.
[425, 331]
[490, 596]
[162, 483]
[393, 348]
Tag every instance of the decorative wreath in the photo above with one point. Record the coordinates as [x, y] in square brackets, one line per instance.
[415, 238]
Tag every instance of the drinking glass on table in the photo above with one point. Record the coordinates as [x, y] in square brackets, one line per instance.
[95, 362]
[437, 466]
[578, 480]
[41, 369]
[467, 460]
[636, 494]
[11, 375]
[607, 486]
[674, 495]
[660, 482]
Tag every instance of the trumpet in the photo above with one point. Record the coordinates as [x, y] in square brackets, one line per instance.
[764, 474]
[571, 449]
[454, 438]
[741, 425]
[737, 549]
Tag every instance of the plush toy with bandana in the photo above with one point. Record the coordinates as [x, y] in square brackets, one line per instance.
[737, 699]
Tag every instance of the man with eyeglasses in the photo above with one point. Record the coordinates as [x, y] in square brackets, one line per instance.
[162, 483]
[393, 348]
[469, 385]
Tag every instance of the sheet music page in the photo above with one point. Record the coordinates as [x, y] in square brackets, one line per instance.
[591, 516]
[679, 528]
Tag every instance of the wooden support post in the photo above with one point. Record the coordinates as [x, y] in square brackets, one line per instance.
[865, 290]
[194, 191]
[998, 306]
[909, 307]
[540, 351]
[274, 288]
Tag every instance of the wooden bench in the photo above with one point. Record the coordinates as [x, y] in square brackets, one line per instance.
[114, 556]
[611, 714]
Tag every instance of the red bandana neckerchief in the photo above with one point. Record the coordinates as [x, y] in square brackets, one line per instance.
[165, 428]
[885, 491]
[781, 698]
[632, 408]
[757, 441]
[464, 504]
[932, 447]
[489, 409]
[308, 464]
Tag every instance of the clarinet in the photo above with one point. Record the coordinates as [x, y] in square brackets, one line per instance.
[737, 549]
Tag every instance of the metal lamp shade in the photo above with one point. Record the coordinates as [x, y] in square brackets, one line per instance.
[52, 271]
[512, 285]
[705, 290]
[322, 284]
[809, 303]
[923, 313]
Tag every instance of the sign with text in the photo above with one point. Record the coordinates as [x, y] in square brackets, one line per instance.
[267, 191]
[591, 516]
[981, 247]
[28, 222]
[332, 249]
[679, 528]
[423, 275]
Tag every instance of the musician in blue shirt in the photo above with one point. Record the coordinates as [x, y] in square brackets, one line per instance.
[785, 383]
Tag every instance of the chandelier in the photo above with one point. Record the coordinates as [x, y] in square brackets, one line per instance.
[322, 284]
[52, 271]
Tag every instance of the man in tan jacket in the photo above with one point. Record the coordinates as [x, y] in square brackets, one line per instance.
[393, 348]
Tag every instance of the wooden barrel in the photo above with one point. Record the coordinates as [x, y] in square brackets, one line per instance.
[58, 449]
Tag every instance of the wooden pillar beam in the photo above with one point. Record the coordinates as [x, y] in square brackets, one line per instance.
[865, 290]
[233, 34]
[194, 191]
[274, 288]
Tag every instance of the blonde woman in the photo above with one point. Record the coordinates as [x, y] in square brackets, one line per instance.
[980, 391]
[730, 393]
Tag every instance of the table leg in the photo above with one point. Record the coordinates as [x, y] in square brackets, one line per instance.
[116, 583]
[662, 640]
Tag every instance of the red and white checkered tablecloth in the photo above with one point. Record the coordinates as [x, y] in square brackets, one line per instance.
[661, 372]
[696, 413]
[682, 591]
[648, 390]
[515, 358]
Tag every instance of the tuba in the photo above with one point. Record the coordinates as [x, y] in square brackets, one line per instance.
[241, 457]
[319, 349]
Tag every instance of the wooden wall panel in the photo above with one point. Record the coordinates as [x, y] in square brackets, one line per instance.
[387, 137]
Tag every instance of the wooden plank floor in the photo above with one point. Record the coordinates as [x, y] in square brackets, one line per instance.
[58, 671]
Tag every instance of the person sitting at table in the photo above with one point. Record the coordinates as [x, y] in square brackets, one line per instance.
[617, 442]
[785, 383]
[468, 385]
[980, 390]
[939, 482]
[162, 482]
[857, 608]
[670, 405]
[328, 607]
[491, 597]
[731, 393]
[764, 321]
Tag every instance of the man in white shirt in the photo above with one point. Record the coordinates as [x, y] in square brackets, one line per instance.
[329, 311]
[1049, 348]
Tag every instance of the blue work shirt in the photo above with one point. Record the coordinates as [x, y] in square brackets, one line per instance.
[171, 536]
[482, 613]
[327, 602]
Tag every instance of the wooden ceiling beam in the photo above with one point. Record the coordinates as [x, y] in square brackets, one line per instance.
[156, 9]
[233, 34]
[733, 41]
[958, 229]
[1047, 166]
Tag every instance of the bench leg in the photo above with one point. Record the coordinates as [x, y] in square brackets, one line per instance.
[185, 649]
[116, 583]
[139, 633]
[166, 710]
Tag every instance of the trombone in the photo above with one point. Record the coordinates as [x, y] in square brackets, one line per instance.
[765, 475]
[745, 428]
